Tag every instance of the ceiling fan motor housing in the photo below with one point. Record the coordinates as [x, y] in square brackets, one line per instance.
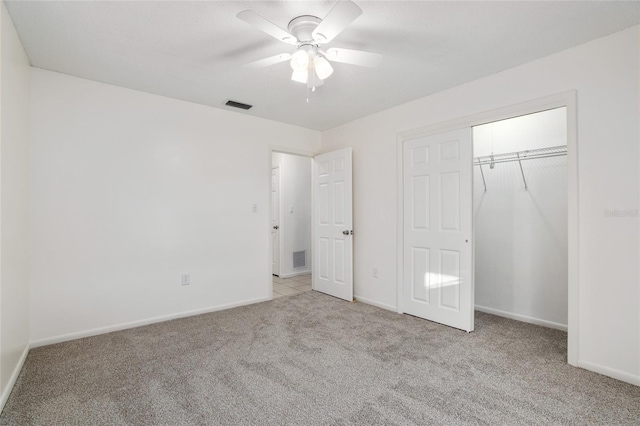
[302, 27]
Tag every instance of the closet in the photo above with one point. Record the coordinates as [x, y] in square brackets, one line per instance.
[520, 218]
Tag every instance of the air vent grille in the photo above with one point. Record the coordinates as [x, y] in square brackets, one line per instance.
[236, 104]
[299, 259]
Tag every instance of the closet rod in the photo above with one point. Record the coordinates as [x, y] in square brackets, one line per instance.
[518, 156]
[531, 154]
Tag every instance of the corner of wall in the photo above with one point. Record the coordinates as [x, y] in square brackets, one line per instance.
[15, 87]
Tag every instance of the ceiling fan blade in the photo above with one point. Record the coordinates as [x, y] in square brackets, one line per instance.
[342, 14]
[354, 57]
[268, 27]
[271, 60]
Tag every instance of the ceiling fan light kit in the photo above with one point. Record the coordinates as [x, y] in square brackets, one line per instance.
[311, 65]
[301, 76]
[300, 60]
[322, 67]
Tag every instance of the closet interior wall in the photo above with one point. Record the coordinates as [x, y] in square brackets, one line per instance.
[521, 244]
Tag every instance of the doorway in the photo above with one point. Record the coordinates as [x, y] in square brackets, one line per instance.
[291, 212]
[323, 194]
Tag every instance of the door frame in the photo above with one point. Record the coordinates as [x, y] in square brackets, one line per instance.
[271, 149]
[565, 99]
[279, 233]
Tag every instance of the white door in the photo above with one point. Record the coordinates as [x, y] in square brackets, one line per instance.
[438, 262]
[275, 220]
[333, 224]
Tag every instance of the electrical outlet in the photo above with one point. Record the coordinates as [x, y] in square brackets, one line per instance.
[375, 272]
[186, 279]
[254, 208]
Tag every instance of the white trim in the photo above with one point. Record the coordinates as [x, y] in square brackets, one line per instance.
[565, 99]
[14, 377]
[610, 372]
[523, 318]
[280, 221]
[139, 323]
[573, 224]
[295, 274]
[374, 303]
[400, 225]
[288, 150]
[314, 273]
[517, 110]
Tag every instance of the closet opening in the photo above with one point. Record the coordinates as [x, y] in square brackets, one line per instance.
[520, 218]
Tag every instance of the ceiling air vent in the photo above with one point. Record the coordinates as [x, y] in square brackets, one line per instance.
[235, 104]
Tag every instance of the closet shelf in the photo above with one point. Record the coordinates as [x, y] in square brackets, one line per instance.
[532, 154]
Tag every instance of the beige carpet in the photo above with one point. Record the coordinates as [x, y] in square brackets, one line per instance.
[311, 359]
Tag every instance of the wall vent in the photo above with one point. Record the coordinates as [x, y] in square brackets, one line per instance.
[299, 259]
[236, 104]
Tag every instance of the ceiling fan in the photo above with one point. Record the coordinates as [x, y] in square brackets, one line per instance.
[310, 63]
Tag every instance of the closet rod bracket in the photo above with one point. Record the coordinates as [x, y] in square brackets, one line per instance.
[484, 182]
[522, 171]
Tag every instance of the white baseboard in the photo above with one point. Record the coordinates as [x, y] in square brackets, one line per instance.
[295, 274]
[374, 303]
[523, 318]
[14, 376]
[610, 372]
[139, 323]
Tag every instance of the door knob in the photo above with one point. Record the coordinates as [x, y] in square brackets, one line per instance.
[345, 232]
[276, 227]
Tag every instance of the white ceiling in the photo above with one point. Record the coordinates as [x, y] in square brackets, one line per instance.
[195, 50]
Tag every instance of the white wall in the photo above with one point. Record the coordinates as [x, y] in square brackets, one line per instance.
[14, 182]
[521, 235]
[605, 74]
[295, 193]
[128, 191]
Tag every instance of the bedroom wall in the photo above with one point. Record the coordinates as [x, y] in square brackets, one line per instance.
[130, 190]
[604, 73]
[14, 204]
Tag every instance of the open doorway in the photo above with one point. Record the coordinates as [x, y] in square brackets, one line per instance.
[520, 213]
[291, 212]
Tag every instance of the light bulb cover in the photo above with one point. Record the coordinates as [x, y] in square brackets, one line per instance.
[300, 60]
[323, 67]
[301, 76]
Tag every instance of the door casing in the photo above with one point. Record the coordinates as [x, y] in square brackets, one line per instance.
[276, 242]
